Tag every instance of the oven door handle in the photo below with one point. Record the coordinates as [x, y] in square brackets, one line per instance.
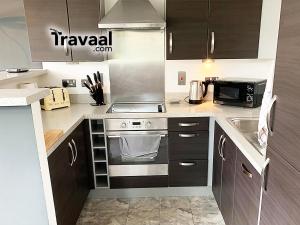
[118, 136]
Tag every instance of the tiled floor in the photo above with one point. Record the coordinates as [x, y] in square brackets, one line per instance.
[152, 211]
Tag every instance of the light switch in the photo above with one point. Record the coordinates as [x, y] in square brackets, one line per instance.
[181, 78]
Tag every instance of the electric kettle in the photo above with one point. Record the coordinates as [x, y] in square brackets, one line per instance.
[198, 90]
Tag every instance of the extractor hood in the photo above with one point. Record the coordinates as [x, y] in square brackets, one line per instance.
[132, 14]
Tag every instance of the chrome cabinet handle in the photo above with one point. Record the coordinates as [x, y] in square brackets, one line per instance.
[71, 148]
[270, 127]
[264, 179]
[221, 137]
[66, 48]
[187, 135]
[222, 149]
[246, 171]
[212, 46]
[76, 151]
[188, 124]
[171, 43]
[187, 164]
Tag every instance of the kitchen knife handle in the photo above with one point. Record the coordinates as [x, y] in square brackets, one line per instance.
[171, 43]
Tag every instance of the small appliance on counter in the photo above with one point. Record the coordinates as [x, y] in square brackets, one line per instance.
[59, 98]
[197, 92]
[243, 92]
[96, 90]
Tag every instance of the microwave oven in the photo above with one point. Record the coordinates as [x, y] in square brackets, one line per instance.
[239, 92]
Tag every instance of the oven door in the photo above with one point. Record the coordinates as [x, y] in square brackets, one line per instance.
[116, 156]
[230, 93]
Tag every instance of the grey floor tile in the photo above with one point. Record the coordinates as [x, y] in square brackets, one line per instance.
[144, 204]
[175, 202]
[151, 211]
[143, 217]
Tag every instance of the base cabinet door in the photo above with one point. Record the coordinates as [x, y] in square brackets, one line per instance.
[68, 167]
[217, 166]
[228, 179]
[281, 194]
[247, 192]
[80, 168]
[63, 182]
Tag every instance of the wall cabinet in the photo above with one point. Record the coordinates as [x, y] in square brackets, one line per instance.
[236, 184]
[70, 178]
[281, 195]
[72, 17]
[214, 28]
[188, 151]
[186, 29]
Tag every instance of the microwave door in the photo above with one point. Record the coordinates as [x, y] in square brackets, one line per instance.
[230, 94]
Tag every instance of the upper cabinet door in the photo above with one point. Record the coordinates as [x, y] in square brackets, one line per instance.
[234, 29]
[41, 15]
[186, 29]
[286, 119]
[84, 16]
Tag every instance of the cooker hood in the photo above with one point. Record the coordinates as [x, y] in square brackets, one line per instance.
[132, 14]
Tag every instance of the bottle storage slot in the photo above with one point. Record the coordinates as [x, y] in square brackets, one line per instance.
[99, 155]
[101, 181]
[98, 141]
[100, 168]
[97, 126]
[99, 152]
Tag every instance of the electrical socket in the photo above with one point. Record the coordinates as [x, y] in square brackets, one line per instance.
[211, 78]
[181, 78]
[68, 83]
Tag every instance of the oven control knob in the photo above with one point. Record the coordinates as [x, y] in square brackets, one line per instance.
[148, 124]
[123, 125]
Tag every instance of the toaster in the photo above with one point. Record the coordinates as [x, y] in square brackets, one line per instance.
[58, 98]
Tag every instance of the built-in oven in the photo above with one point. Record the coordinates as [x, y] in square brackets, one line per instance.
[137, 152]
[239, 92]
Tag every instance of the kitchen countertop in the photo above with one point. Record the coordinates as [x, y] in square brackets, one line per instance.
[68, 119]
[21, 97]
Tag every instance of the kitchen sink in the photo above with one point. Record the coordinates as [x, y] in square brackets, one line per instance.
[248, 128]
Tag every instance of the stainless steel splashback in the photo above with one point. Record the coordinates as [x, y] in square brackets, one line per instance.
[137, 81]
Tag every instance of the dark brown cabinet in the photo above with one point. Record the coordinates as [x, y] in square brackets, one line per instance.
[281, 195]
[224, 173]
[236, 184]
[70, 179]
[188, 151]
[186, 29]
[247, 192]
[72, 17]
[41, 15]
[217, 165]
[216, 28]
[234, 28]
